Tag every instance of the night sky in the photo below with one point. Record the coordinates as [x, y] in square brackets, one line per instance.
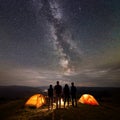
[42, 41]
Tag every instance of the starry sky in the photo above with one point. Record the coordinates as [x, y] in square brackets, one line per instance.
[42, 41]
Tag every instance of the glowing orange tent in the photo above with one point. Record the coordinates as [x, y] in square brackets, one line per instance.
[88, 99]
[36, 100]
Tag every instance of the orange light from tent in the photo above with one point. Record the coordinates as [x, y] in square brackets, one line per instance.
[36, 100]
[88, 99]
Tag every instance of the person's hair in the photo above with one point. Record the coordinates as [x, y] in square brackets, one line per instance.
[72, 83]
[57, 82]
[66, 85]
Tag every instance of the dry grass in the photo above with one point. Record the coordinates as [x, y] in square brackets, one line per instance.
[15, 110]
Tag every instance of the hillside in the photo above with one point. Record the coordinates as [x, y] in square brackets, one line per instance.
[13, 98]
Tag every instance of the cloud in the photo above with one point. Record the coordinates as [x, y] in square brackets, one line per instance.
[96, 77]
[28, 76]
[101, 77]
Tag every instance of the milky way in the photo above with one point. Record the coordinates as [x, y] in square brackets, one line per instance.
[60, 36]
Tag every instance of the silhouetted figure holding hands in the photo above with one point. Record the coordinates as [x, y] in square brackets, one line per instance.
[73, 95]
[58, 94]
[66, 93]
[50, 97]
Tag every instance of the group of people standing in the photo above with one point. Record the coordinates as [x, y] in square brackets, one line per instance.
[57, 92]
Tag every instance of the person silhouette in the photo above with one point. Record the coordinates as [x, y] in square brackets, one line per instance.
[73, 94]
[58, 94]
[50, 97]
[66, 93]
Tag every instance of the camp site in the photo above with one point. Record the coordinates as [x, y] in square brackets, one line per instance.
[97, 103]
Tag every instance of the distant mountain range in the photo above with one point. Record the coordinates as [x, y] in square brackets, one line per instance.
[17, 92]
[12, 92]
